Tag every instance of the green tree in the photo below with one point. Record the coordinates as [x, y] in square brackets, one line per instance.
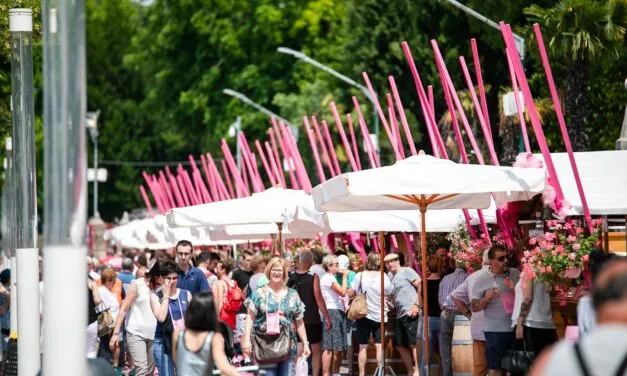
[582, 33]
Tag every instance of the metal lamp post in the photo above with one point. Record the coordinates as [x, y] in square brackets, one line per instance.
[301, 56]
[92, 126]
[24, 176]
[65, 215]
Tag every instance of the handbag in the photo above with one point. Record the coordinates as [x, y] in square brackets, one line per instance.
[358, 308]
[105, 322]
[518, 362]
[271, 348]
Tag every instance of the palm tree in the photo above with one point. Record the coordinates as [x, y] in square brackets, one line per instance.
[581, 32]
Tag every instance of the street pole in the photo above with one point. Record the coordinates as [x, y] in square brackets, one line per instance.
[301, 56]
[24, 177]
[11, 235]
[65, 188]
[92, 127]
[238, 145]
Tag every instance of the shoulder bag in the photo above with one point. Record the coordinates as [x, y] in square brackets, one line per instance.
[271, 348]
[358, 308]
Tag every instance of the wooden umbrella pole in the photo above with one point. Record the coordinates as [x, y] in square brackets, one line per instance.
[425, 313]
[280, 226]
[382, 266]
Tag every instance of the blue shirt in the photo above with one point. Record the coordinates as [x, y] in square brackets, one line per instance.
[193, 281]
[126, 278]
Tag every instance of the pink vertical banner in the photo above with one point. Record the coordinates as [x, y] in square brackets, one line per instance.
[241, 189]
[191, 192]
[265, 164]
[396, 133]
[223, 193]
[519, 106]
[197, 188]
[331, 147]
[252, 162]
[248, 165]
[531, 109]
[204, 192]
[165, 187]
[401, 113]
[340, 128]
[175, 188]
[312, 142]
[183, 189]
[301, 172]
[424, 101]
[372, 153]
[325, 153]
[213, 192]
[277, 158]
[275, 166]
[479, 112]
[562, 123]
[484, 103]
[351, 131]
[227, 176]
[154, 191]
[382, 117]
[285, 152]
[146, 200]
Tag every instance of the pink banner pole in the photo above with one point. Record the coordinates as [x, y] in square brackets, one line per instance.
[424, 101]
[340, 128]
[154, 191]
[264, 163]
[165, 187]
[223, 193]
[229, 182]
[146, 200]
[253, 162]
[285, 152]
[519, 106]
[198, 190]
[531, 109]
[277, 159]
[401, 113]
[431, 99]
[241, 189]
[175, 188]
[204, 192]
[381, 116]
[325, 153]
[562, 123]
[301, 171]
[351, 132]
[448, 85]
[274, 165]
[194, 197]
[162, 197]
[314, 148]
[183, 189]
[396, 133]
[484, 102]
[331, 147]
[372, 155]
[438, 136]
[479, 111]
[213, 192]
[248, 164]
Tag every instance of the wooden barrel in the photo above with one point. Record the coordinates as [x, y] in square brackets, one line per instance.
[462, 347]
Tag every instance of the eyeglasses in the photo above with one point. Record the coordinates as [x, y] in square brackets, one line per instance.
[184, 254]
[501, 259]
[172, 278]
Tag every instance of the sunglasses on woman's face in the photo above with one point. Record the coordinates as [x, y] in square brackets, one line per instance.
[501, 259]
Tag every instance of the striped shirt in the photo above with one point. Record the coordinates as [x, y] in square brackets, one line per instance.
[448, 285]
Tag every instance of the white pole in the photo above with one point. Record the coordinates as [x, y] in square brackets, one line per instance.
[28, 356]
[13, 302]
[65, 336]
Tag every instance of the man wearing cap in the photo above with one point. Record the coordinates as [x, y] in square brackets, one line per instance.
[408, 303]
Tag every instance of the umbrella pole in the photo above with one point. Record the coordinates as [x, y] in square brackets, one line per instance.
[425, 312]
[280, 226]
[381, 257]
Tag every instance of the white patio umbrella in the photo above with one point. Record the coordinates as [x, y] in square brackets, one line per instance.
[425, 182]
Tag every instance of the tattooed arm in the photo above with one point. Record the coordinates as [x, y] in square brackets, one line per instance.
[525, 307]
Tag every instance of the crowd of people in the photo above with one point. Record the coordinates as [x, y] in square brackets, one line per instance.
[188, 311]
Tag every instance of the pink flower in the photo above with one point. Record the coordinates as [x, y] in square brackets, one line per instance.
[549, 269]
[576, 246]
[450, 255]
[579, 230]
[572, 256]
[571, 239]
[549, 236]
[533, 241]
[526, 254]
[585, 258]
[543, 270]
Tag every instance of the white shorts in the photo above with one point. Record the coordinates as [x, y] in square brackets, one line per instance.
[240, 324]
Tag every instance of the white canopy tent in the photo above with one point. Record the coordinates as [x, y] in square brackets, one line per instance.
[604, 179]
[424, 182]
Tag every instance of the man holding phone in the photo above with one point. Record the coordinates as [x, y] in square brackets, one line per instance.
[493, 293]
